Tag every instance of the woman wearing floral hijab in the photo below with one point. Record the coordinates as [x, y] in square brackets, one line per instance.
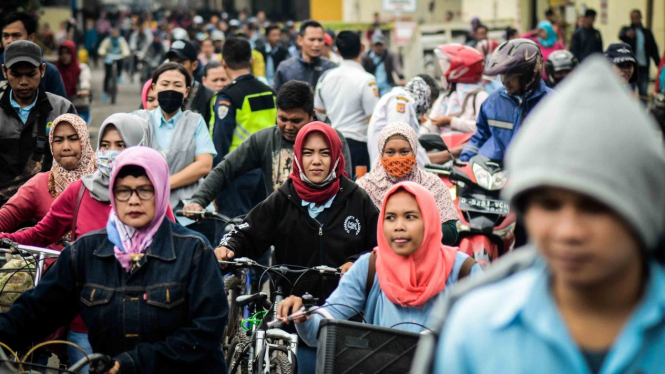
[73, 158]
[397, 164]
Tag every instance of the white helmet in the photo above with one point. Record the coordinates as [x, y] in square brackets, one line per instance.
[179, 34]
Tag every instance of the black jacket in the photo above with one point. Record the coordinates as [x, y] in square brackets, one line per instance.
[586, 42]
[338, 235]
[278, 54]
[649, 43]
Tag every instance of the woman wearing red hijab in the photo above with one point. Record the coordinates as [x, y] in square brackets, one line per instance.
[76, 77]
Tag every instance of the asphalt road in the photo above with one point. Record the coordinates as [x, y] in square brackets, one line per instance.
[129, 99]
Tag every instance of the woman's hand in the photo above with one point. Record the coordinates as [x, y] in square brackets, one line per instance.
[441, 121]
[223, 254]
[194, 207]
[115, 369]
[287, 307]
[344, 268]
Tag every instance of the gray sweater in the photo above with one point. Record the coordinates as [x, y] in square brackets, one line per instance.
[266, 150]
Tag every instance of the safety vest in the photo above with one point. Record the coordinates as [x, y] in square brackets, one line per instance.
[255, 107]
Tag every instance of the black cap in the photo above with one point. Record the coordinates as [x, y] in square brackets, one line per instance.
[590, 13]
[184, 49]
[23, 51]
[620, 52]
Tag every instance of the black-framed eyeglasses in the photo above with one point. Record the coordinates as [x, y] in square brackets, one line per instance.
[124, 194]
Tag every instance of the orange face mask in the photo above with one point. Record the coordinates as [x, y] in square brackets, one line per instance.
[399, 167]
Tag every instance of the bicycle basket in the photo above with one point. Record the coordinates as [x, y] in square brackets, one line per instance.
[351, 347]
[16, 277]
[12, 367]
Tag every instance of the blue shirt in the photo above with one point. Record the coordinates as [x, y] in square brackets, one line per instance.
[640, 48]
[514, 326]
[23, 113]
[270, 65]
[314, 210]
[377, 308]
[380, 74]
[164, 133]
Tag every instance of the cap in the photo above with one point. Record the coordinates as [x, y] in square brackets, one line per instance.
[184, 49]
[234, 23]
[289, 24]
[198, 19]
[217, 35]
[23, 51]
[378, 38]
[620, 52]
[327, 39]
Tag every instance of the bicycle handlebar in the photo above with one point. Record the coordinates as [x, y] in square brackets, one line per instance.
[99, 363]
[8, 246]
[204, 214]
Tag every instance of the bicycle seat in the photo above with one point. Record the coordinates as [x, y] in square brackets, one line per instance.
[244, 300]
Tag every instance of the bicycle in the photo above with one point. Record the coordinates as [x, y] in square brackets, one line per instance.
[99, 363]
[112, 79]
[265, 348]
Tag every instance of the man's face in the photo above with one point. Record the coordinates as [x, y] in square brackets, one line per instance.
[188, 65]
[635, 18]
[512, 83]
[208, 48]
[291, 121]
[273, 37]
[312, 42]
[481, 33]
[590, 21]
[24, 79]
[15, 31]
[378, 48]
[216, 79]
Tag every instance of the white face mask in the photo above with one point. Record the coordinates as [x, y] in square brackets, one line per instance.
[105, 160]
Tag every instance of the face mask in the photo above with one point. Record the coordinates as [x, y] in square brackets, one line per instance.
[170, 101]
[331, 177]
[105, 160]
[399, 167]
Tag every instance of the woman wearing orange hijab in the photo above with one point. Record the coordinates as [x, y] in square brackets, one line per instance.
[412, 267]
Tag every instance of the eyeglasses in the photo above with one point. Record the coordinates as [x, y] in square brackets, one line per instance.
[124, 194]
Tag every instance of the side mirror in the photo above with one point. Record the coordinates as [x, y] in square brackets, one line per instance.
[432, 142]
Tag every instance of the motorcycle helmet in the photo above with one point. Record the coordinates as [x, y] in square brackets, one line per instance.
[179, 34]
[460, 64]
[556, 62]
[517, 56]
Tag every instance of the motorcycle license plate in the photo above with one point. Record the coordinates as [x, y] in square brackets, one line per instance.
[484, 206]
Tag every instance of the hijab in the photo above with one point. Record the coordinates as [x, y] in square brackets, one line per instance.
[318, 192]
[144, 93]
[412, 280]
[551, 35]
[134, 131]
[421, 93]
[70, 73]
[130, 243]
[377, 182]
[60, 177]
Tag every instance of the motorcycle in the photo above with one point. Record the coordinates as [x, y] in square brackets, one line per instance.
[487, 225]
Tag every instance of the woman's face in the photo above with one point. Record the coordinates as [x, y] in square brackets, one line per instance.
[171, 80]
[403, 224]
[139, 210]
[584, 243]
[397, 147]
[111, 140]
[66, 146]
[151, 99]
[65, 56]
[625, 71]
[542, 33]
[316, 157]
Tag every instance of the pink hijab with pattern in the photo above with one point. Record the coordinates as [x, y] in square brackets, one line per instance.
[377, 182]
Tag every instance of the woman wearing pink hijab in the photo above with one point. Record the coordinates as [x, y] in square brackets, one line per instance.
[411, 265]
[149, 290]
[148, 96]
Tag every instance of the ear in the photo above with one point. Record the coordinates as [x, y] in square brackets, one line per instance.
[195, 65]
[152, 86]
[31, 37]
[4, 71]
[299, 40]
[187, 92]
[311, 116]
[42, 70]
[362, 48]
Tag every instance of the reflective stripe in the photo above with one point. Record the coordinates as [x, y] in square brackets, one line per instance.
[243, 130]
[500, 124]
[238, 134]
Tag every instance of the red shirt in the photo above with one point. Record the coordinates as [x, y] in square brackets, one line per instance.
[31, 201]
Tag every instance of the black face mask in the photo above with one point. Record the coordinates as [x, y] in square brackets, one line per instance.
[170, 101]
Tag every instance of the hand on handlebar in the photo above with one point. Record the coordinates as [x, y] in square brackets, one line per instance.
[115, 369]
[192, 208]
[288, 307]
[223, 254]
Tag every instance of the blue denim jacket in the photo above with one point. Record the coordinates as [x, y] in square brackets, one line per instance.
[500, 117]
[514, 326]
[167, 316]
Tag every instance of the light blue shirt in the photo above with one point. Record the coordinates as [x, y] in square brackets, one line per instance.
[23, 113]
[377, 308]
[314, 210]
[514, 326]
[640, 48]
[380, 74]
[270, 66]
[164, 132]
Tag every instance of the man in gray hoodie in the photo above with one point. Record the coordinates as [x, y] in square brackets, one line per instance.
[270, 149]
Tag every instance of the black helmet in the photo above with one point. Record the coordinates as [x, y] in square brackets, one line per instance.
[559, 61]
[517, 56]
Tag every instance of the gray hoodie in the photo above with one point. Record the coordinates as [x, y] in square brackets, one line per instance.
[593, 138]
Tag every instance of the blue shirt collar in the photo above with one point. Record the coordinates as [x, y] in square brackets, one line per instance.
[22, 112]
[315, 209]
[163, 122]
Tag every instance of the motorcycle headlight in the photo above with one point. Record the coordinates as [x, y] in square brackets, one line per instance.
[489, 181]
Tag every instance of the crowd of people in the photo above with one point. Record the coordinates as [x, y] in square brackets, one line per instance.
[312, 137]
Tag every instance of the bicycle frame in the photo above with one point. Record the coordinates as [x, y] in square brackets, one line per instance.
[42, 255]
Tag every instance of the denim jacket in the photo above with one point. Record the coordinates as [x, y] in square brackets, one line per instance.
[167, 316]
[500, 117]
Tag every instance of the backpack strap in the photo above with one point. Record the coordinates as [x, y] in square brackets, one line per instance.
[79, 198]
[371, 273]
[466, 268]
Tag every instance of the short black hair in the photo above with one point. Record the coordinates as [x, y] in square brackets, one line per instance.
[295, 95]
[309, 23]
[510, 32]
[28, 20]
[270, 28]
[237, 53]
[636, 11]
[481, 26]
[348, 44]
[211, 65]
[590, 13]
[131, 170]
[549, 12]
[434, 88]
[168, 66]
